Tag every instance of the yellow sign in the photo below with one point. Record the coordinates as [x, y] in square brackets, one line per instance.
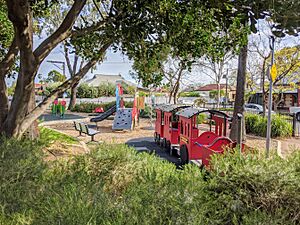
[273, 72]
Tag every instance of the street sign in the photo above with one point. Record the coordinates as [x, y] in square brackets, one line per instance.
[273, 72]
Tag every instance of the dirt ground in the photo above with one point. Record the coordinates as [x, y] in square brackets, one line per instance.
[106, 134]
[144, 129]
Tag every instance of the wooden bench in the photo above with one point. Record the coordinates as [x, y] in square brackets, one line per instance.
[90, 132]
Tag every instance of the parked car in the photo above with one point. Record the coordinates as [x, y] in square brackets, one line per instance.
[295, 110]
[255, 108]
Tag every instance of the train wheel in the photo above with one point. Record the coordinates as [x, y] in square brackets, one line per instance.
[184, 155]
[158, 139]
[155, 137]
[168, 146]
[164, 143]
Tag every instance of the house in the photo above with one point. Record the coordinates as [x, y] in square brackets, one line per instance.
[282, 99]
[99, 79]
[206, 89]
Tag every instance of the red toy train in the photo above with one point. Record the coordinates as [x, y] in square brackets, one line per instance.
[177, 126]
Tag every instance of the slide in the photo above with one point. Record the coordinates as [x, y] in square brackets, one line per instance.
[105, 115]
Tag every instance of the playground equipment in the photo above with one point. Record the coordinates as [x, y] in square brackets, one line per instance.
[104, 115]
[125, 118]
[59, 108]
[198, 146]
[159, 123]
[170, 128]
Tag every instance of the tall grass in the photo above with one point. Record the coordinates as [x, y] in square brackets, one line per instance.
[115, 185]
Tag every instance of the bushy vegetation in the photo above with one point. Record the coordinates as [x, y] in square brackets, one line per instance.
[189, 94]
[120, 186]
[103, 90]
[201, 118]
[89, 107]
[257, 124]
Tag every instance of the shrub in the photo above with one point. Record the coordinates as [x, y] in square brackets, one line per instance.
[119, 185]
[257, 124]
[89, 107]
[201, 118]
[189, 94]
[105, 89]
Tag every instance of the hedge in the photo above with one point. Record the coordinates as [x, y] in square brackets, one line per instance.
[257, 125]
[114, 185]
[89, 107]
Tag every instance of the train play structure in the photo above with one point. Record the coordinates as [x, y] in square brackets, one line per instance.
[177, 129]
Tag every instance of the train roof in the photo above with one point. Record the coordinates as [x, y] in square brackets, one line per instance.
[160, 106]
[190, 112]
[171, 108]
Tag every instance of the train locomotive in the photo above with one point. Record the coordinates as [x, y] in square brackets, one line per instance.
[177, 128]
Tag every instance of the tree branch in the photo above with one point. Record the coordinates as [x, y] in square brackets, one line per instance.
[37, 111]
[9, 59]
[89, 29]
[64, 31]
[66, 54]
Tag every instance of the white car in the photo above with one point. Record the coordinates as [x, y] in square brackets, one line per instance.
[295, 110]
[255, 108]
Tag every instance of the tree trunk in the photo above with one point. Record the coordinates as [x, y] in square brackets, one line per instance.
[73, 96]
[175, 93]
[33, 130]
[38, 110]
[170, 96]
[3, 101]
[5, 66]
[218, 95]
[240, 95]
[23, 101]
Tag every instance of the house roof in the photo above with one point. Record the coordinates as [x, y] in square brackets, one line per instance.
[211, 87]
[105, 78]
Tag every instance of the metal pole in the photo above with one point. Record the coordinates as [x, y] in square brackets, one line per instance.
[226, 94]
[240, 132]
[268, 138]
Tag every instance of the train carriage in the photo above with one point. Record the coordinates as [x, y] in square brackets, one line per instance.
[170, 133]
[199, 146]
[159, 123]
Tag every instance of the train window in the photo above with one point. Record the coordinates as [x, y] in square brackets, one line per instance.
[181, 127]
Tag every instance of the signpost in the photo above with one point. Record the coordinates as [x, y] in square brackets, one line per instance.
[272, 77]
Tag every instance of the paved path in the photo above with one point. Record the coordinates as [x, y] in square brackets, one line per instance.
[48, 117]
[147, 144]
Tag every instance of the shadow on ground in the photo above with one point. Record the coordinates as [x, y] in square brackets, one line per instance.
[50, 117]
[147, 144]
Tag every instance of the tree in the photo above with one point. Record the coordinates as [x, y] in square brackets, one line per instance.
[202, 30]
[158, 66]
[73, 61]
[216, 70]
[216, 95]
[8, 52]
[285, 15]
[287, 62]
[123, 21]
[55, 76]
